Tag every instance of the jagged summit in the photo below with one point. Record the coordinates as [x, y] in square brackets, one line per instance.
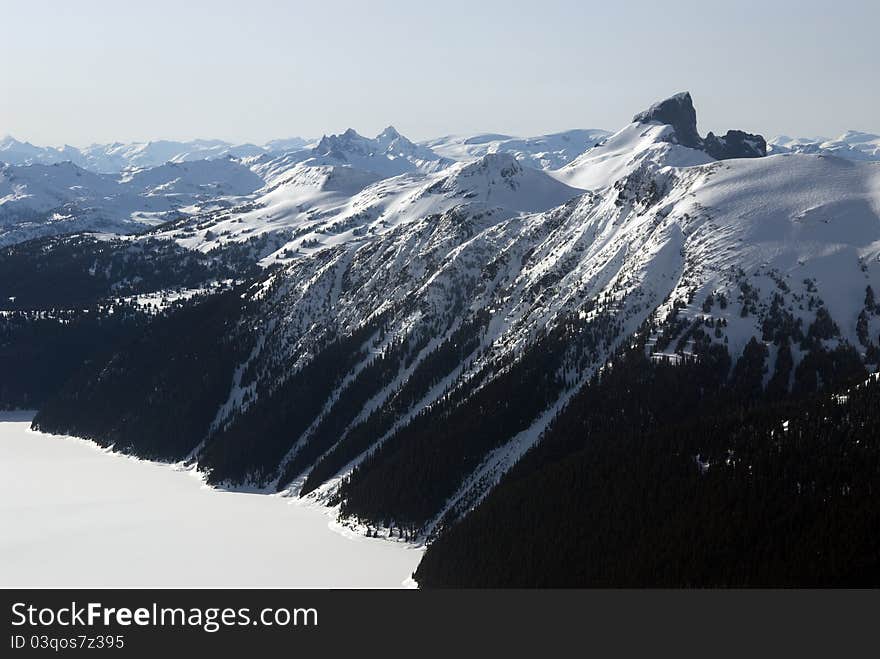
[352, 140]
[390, 133]
[338, 145]
[678, 111]
[387, 154]
[393, 143]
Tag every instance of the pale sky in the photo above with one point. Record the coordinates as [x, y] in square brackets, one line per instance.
[98, 71]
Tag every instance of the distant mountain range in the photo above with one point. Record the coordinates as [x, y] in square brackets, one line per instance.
[542, 152]
[48, 191]
[118, 156]
[96, 188]
[853, 145]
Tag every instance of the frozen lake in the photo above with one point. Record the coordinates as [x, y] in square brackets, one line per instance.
[74, 515]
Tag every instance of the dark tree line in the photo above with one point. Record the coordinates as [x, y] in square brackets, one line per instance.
[253, 445]
[406, 481]
[157, 395]
[71, 272]
[63, 310]
[41, 351]
[662, 475]
[433, 369]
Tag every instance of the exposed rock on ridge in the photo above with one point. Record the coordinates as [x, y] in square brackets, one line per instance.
[678, 111]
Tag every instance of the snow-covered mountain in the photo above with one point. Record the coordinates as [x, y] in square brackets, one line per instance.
[43, 186]
[852, 145]
[310, 206]
[221, 177]
[542, 152]
[15, 152]
[666, 133]
[118, 157]
[416, 323]
[388, 154]
[286, 145]
[40, 200]
[63, 197]
[399, 299]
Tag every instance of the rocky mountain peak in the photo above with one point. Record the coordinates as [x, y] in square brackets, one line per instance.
[390, 133]
[678, 111]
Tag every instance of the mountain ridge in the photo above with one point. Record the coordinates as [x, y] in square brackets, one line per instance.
[397, 343]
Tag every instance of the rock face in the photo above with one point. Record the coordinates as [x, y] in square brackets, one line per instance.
[735, 144]
[678, 111]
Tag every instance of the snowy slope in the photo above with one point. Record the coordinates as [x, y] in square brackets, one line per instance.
[287, 144]
[39, 188]
[219, 177]
[645, 232]
[795, 226]
[666, 133]
[624, 151]
[787, 233]
[312, 206]
[499, 179]
[668, 223]
[803, 228]
[867, 142]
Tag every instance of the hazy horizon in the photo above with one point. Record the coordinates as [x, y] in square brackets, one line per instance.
[102, 72]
